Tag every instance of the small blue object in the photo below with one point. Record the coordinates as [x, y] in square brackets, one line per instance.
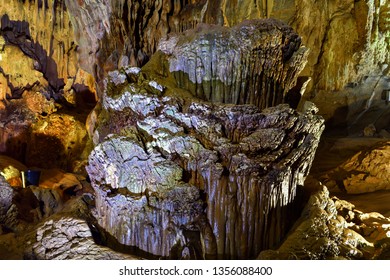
[32, 177]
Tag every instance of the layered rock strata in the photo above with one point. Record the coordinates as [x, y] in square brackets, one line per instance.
[179, 177]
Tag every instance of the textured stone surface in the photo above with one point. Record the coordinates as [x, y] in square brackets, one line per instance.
[69, 238]
[256, 62]
[366, 171]
[355, 33]
[35, 135]
[42, 31]
[40, 224]
[330, 228]
[38, 58]
[8, 211]
[235, 167]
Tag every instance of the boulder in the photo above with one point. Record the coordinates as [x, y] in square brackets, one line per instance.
[368, 170]
[330, 228]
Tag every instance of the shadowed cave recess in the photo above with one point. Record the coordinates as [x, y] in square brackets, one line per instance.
[194, 129]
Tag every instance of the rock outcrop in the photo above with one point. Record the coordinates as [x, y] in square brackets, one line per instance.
[35, 133]
[330, 228]
[366, 171]
[40, 76]
[42, 31]
[62, 48]
[33, 226]
[8, 211]
[177, 176]
[68, 236]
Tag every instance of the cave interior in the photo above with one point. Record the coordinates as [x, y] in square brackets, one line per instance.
[194, 129]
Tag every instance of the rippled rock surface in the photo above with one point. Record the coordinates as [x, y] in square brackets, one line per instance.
[179, 177]
[256, 62]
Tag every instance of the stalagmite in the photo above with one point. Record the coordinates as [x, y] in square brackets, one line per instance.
[177, 176]
[256, 62]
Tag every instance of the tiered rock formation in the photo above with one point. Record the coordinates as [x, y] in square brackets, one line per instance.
[191, 179]
[63, 47]
[256, 62]
[243, 165]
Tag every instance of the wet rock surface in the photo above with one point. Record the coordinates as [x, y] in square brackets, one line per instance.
[367, 171]
[362, 166]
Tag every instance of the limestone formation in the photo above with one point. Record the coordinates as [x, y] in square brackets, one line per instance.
[353, 33]
[194, 156]
[68, 238]
[256, 62]
[40, 76]
[61, 39]
[42, 31]
[8, 211]
[35, 228]
[330, 228]
[32, 132]
[366, 171]
[179, 174]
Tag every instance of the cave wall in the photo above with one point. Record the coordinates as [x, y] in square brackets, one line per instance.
[355, 34]
[42, 31]
[348, 40]
[40, 79]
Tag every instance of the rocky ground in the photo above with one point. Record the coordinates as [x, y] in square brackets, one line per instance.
[51, 221]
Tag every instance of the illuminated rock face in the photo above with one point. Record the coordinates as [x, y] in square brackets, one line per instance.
[348, 39]
[68, 238]
[34, 133]
[38, 73]
[366, 171]
[60, 48]
[256, 62]
[186, 178]
[330, 228]
[42, 31]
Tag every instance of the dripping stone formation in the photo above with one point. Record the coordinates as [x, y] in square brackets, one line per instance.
[194, 129]
[178, 176]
